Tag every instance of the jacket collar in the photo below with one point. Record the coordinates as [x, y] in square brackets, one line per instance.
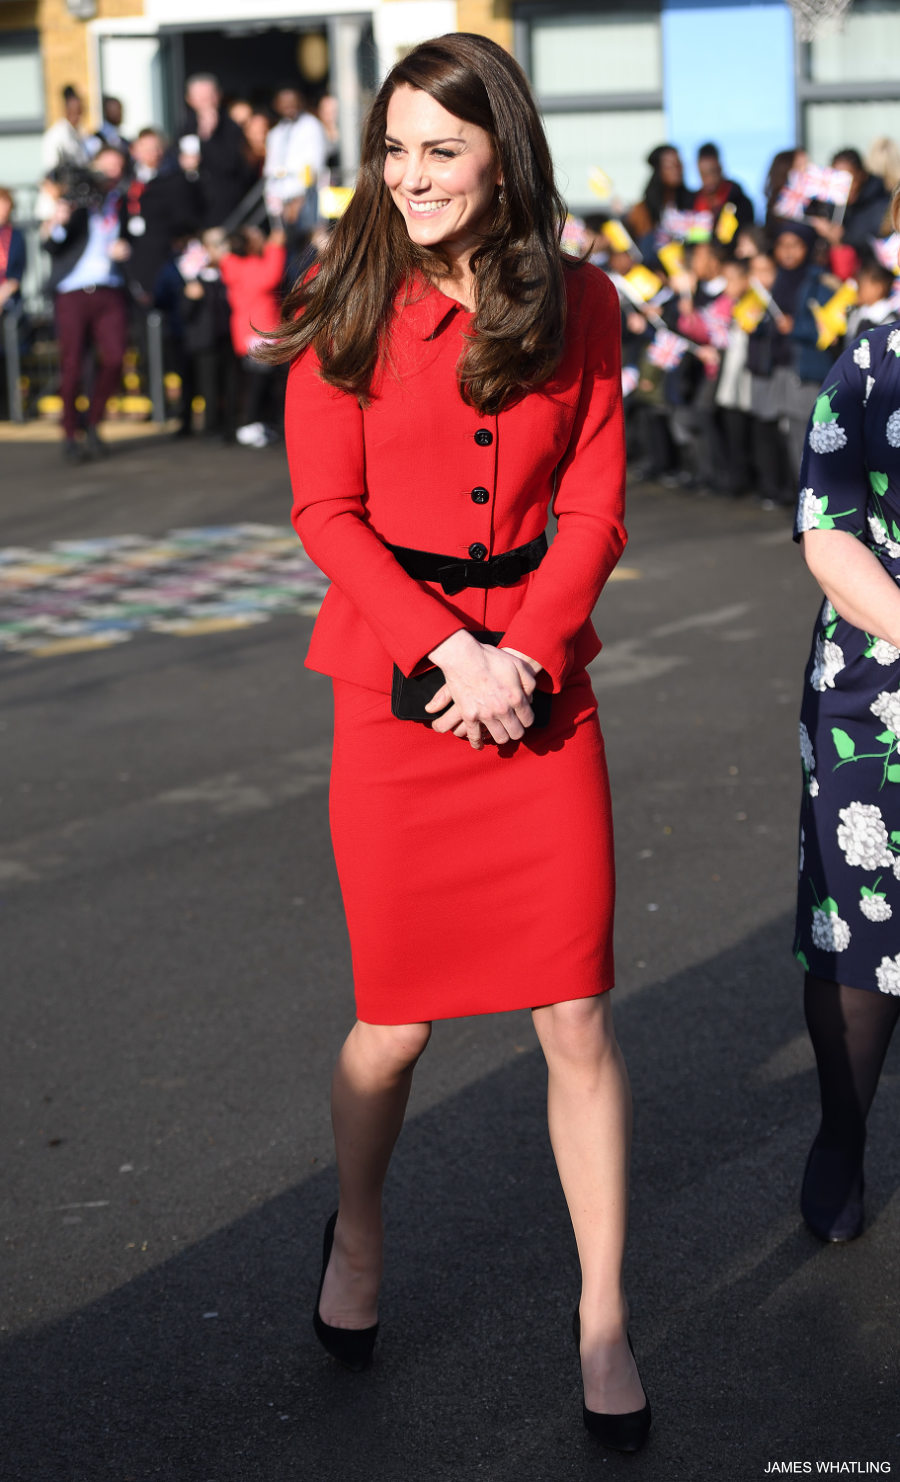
[424, 307]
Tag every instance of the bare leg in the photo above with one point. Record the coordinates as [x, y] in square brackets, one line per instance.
[589, 1113]
[369, 1092]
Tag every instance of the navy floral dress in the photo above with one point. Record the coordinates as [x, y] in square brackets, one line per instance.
[848, 906]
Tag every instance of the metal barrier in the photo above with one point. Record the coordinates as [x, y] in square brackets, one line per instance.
[13, 367]
[155, 367]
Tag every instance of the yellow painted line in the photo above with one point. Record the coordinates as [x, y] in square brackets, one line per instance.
[75, 645]
[114, 432]
[189, 627]
[625, 573]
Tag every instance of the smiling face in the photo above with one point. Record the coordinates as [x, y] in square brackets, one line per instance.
[442, 172]
[790, 250]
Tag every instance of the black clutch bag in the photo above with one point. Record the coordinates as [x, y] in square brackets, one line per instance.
[409, 696]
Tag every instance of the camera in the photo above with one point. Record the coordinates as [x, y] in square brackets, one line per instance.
[80, 186]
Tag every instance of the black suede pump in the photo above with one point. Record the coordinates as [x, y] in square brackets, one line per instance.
[626, 1432]
[352, 1347]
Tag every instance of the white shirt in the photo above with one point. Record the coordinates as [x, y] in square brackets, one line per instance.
[63, 145]
[295, 156]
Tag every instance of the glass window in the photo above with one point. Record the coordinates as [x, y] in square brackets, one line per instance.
[617, 143]
[21, 81]
[834, 126]
[864, 49]
[20, 164]
[597, 54]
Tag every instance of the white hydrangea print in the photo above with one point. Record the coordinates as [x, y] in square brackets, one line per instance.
[806, 749]
[893, 341]
[829, 614]
[810, 511]
[861, 355]
[880, 536]
[829, 932]
[829, 437]
[887, 974]
[887, 709]
[875, 908]
[814, 787]
[870, 384]
[895, 866]
[883, 652]
[829, 661]
[863, 837]
[892, 430]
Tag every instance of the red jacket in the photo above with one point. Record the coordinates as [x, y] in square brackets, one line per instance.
[252, 284]
[407, 470]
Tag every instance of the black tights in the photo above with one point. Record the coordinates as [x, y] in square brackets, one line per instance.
[850, 1029]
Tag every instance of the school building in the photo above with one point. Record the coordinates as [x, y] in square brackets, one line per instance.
[613, 79]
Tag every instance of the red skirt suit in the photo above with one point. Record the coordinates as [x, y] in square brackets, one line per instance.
[473, 881]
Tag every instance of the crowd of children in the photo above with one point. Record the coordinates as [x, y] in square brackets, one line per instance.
[729, 328]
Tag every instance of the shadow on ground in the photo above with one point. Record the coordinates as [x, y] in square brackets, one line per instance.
[756, 1343]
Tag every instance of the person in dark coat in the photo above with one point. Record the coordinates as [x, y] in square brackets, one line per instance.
[12, 255]
[12, 267]
[160, 205]
[87, 279]
[225, 174]
[716, 191]
[866, 209]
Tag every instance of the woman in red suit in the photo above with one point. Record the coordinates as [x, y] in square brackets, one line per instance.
[451, 376]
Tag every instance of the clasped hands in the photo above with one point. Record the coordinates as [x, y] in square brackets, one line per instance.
[487, 689]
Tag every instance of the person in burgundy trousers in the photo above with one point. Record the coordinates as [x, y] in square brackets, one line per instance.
[90, 301]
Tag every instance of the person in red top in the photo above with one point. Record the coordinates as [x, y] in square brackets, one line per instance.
[452, 375]
[252, 271]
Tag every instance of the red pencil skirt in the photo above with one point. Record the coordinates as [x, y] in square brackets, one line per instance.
[473, 881]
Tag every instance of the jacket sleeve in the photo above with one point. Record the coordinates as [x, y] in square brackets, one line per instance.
[326, 456]
[589, 503]
[274, 260]
[15, 267]
[63, 238]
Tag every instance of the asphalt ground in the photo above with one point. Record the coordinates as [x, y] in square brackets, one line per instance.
[176, 983]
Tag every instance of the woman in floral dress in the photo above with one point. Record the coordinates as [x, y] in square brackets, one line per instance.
[848, 916]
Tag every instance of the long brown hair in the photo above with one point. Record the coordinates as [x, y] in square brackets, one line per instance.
[520, 303]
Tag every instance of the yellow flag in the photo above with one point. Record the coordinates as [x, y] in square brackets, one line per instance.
[617, 236]
[333, 201]
[749, 310]
[831, 318]
[727, 224]
[600, 184]
[672, 257]
[645, 284]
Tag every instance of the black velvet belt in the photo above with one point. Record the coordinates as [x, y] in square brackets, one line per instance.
[454, 574]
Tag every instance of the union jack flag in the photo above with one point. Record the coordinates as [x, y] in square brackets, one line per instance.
[791, 202]
[829, 185]
[718, 322]
[679, 225]
[887, 250]
[666, 349]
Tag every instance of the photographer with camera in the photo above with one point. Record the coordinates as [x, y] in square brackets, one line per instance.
[84, 239]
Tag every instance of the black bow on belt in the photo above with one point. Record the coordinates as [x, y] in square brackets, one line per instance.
[455, 575]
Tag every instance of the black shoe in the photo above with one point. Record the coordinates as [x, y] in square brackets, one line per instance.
[73, 452]
[96, 447]
[831, 1198]
[352, 1347]
[626, 1432]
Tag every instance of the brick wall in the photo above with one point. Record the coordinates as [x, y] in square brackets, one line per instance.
[488, 18]
[64, 43]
